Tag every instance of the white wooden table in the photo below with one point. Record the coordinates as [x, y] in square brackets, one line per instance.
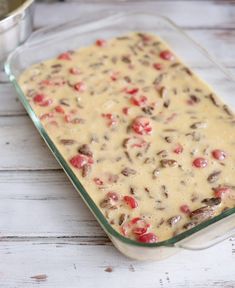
[48, 238]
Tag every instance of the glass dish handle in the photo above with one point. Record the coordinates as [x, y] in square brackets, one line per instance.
[52, 31]
[213, 234]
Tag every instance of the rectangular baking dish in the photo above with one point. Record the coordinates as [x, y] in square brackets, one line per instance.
[50, 42]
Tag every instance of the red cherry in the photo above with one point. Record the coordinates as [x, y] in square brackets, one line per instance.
[46, 103]
[131, 91]
[148, 238]
[80, 87]
[74, 71]
[158, 66]
[139, 101]
[64, 56]
[98, 181]
[140, 226]
[100, 42]
[112, 195]
[59, 109]
[141, 125]
[130, 201]
[220, 191]
[166, 55]
[200, 162]
[178, 149]
[38, 98]
[112, 120]
[79, 160]
[218, 154]
[184, 208]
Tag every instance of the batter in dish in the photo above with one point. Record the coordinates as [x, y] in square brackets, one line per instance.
[150, 142]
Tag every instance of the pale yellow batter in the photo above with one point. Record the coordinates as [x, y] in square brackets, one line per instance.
[149, 141]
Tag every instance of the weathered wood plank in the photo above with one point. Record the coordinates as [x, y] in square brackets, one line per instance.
[210, 14]
[43, 204]
[67, 264]
[21, 145]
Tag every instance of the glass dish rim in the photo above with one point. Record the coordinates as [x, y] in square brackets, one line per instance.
[73, 178]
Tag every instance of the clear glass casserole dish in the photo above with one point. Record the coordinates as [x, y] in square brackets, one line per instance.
[50, 42]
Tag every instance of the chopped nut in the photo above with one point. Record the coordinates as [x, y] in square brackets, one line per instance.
[189, 225]
[122, 219]
[212, 201]
[155, 173]
[168, 163]
[164, 191]
[213, 100]
[198, 125]
[85, 150]
[213, 177]
[85, 170]
[128, 171]
[202, 214]
[227, 110]
[162, 153]
[174, 220]
[169, 139]
[67, 141]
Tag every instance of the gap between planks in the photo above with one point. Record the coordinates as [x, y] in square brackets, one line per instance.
[67, 240]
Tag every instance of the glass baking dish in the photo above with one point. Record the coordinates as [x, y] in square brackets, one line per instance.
[50, 42]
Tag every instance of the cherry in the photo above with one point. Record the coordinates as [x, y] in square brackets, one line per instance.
[184, 208]
[100, 42]
[130, 201]
[46, 103]
[79, 160]
[111, 119]
[112, 195]
[80, 87]
[148, 238]
[166, 55]
[220, 191]
[200, 162]
[140, 226]
[178, 149]
[59, 109]
[38, 98]
[158, 66]
[98, 181]
[218, 154]
[139, 101]
[131, 91]
[141, 125]
[64, 56]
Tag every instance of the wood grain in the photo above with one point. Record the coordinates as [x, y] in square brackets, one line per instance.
[66, 263]
[187, 14]
[43, 204]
